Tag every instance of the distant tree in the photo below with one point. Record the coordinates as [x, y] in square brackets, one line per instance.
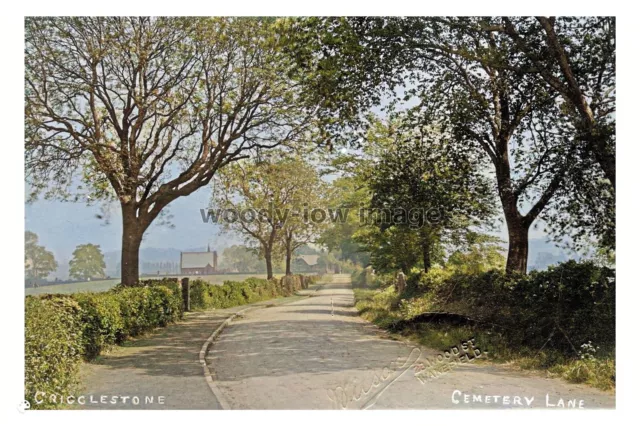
[349, 194]
[241, 259]
[146, 110]
[262, 198]
[38, 262]
[308, 196]
[87, 262]
[429, 184]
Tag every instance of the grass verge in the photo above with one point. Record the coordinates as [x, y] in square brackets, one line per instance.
[381, 307]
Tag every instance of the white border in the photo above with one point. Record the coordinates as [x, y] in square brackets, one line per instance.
[12, 170]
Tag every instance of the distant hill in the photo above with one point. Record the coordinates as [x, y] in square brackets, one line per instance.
[542, 254]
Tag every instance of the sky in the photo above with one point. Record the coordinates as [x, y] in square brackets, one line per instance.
[61, 226]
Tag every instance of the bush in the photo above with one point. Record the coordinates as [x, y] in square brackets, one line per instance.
[564, 306]
[63, 329]
[53, 347]
[561, 319]
[233, 293]
[102, 322]
[420, 282]
[363, 278]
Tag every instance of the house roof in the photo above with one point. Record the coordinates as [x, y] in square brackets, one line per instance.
[309, 259]
[197, 259]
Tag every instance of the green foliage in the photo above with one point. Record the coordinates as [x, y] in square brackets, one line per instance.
[347, 193]
[548, 319]
[61, 330]
[481, 253]
[364, 278]
[232, 293]
[102, 321]
[392, 249]
[38, 261]
[148, 307]
[53, 346]
[87, 262]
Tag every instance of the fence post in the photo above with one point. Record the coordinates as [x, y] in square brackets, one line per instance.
[185, 294]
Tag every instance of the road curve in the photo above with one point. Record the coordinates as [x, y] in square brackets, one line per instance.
[317, 353]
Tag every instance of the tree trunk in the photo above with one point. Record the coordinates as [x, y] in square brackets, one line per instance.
[517, 224]
[426, 255]
[267, 258]
[518, 246]
[288, 263]
[131, 239]
[289, 253]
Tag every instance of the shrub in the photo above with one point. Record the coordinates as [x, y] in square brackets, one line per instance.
[363, 278]
[53, 347]
[233, 293]
[63, 329]
[564, 306]
[561, 319]
[102, 322]
[420, 282]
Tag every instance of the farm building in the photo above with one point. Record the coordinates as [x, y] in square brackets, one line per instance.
[199, 263]
[308, 263]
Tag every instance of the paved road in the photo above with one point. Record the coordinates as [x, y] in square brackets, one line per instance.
[166, 365]
[316, 353]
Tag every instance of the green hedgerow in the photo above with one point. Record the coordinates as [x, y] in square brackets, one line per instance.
[53, 347]
[61, 330]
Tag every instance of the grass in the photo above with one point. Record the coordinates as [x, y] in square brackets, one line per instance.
[87, 286]
[98, 286]
[381, 307]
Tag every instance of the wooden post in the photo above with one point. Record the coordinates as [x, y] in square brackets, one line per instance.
[185, 294]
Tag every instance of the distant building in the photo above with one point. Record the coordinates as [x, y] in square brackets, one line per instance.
[308, 263]
[199, 263]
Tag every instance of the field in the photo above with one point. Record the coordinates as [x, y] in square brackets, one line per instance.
[98, 286]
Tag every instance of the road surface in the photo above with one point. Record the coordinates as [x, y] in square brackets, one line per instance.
[317, 353]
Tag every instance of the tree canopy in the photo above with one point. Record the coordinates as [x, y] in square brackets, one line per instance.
[87, 262]
[146, 110]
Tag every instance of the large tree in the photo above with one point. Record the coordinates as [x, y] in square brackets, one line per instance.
[576, 57]
[87, 262]
[146, 110]
[509, 116]
[468, 79]
[428, 183]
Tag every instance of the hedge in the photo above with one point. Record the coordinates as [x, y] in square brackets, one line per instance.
[53, 347]
[62, 330]
[563, 307]
[234, 293]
